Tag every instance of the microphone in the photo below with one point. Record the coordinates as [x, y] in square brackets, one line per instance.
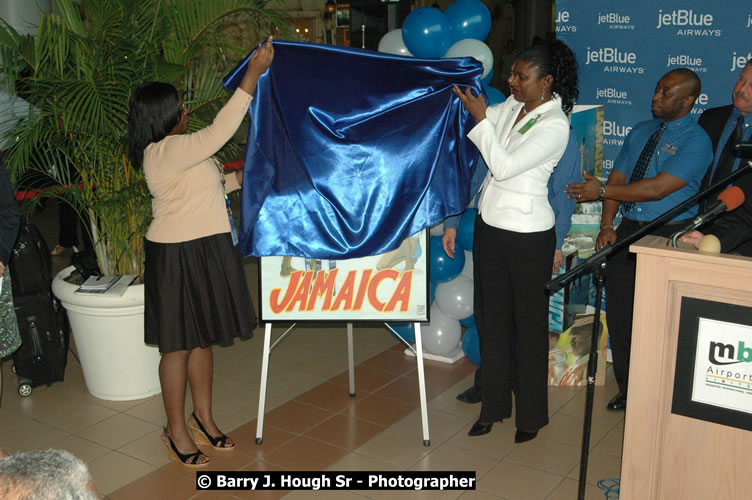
[729, 199]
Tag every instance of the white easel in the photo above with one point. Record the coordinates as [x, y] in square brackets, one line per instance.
[268, 348]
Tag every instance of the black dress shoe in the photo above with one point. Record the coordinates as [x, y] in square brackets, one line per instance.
[479, 429]
[522, 436]
[618, 403]
[471, 396]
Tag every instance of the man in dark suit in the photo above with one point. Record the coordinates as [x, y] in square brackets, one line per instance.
[721, 124]
[726, 126]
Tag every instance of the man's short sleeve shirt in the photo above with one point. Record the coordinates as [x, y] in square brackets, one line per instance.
[684, 151]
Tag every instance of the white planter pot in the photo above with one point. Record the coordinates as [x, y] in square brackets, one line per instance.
[109, 336]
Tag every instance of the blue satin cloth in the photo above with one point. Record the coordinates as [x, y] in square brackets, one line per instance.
[351, 151]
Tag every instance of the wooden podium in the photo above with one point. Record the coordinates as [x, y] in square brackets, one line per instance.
[668, 455]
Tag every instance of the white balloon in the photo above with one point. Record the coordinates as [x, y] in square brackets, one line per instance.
[455, 298]
[470, 47]
[392, 43]
[467, 270]
[442, 334]
[437, 230]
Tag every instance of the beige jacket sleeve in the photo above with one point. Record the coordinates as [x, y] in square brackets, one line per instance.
[187, 150]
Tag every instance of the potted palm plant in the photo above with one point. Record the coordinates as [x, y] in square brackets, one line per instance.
[77, 73]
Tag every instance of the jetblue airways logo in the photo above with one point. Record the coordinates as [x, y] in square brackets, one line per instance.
[688, 22]
[615, 21]
[686, 61]
[738, 62]
[614, 134]
[610, 55]
[615, 60]
[612, 95]
[562, 22]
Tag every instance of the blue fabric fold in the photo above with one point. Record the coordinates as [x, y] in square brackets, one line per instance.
[351, 151]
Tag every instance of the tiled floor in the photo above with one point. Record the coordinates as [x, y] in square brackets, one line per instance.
[312, 424]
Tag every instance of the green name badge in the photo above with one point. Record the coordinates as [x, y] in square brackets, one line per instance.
[528, 125]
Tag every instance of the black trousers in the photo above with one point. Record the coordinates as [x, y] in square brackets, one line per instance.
[620, 290]
[511, 313]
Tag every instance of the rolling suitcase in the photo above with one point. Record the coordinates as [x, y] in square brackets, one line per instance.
[42, 321]
[45, 334]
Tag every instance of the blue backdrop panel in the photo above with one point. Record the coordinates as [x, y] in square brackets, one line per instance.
[623, 49]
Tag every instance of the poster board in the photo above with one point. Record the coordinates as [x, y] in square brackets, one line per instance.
[569, 352]
[388, 287]
[587, 127]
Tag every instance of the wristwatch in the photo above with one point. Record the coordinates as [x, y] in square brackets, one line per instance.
[602, 193]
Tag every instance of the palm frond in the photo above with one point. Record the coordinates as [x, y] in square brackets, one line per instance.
[70, 15]
[78, 75]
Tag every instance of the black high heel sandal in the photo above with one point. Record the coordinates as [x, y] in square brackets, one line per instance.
[479, 429]
[223, 442]
[524, 436]
[189, 459]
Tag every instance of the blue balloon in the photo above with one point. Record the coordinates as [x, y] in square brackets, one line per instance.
[468, 19]
[471, 345]
[468, 322]
[494, 95]
[442, 268]
[406, 330]
[433, 290]
[426, 33]
[466, 228]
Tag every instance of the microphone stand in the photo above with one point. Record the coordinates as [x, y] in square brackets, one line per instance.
[675, 237]
[596, 264]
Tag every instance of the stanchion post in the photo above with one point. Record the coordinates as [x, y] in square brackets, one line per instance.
[422, 384]
[262, 387]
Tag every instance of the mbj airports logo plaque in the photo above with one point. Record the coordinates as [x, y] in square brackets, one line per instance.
[713, 376]
[723, 372]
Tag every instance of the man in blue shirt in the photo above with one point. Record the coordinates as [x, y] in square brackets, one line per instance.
[675, 168]
[566, 172]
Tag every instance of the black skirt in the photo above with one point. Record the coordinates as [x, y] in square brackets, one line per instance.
[196, 294]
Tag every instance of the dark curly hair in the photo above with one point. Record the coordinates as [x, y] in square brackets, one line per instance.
[153, 112]
[553, 57]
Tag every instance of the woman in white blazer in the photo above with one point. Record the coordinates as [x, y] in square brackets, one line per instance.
[521, 140]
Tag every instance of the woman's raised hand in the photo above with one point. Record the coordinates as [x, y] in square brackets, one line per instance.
[257, 65]
[262, 58]
[475, 104]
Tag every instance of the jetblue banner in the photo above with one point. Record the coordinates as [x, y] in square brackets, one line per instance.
[623, 49]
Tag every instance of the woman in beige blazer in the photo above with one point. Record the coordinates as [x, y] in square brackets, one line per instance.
[195, 289]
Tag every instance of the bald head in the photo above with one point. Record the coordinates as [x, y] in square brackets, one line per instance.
[691, 80]
[675, 94]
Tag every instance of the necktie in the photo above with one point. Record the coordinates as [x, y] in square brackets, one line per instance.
[728, 157]
[643, 162]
